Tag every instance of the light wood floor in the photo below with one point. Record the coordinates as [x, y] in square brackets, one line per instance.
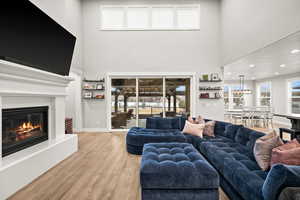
[100, 170]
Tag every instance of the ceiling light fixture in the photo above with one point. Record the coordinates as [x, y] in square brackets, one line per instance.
[294, 51]
[252, 65]
[242, 91]
[282, 65]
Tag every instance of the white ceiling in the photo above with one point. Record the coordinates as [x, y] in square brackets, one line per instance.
[267, 61]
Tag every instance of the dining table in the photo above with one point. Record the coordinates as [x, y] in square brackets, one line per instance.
[295, 119]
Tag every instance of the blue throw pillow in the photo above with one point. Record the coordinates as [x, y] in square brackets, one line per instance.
[243, 135]
[164, 123]
[231, 130]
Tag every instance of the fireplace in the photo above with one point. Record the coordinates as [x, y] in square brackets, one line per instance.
[23, 127]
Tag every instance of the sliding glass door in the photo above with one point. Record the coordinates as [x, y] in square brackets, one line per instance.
[178, 96]
[123, 103]
[151, 99]
[133, 100]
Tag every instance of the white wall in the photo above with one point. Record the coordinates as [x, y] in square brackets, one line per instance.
[279, 95]
[68, 14]
[250, 25]
[150, 51]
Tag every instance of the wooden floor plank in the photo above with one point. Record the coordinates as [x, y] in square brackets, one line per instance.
[101, 170]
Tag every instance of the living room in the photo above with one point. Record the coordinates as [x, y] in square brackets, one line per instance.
[151, 100]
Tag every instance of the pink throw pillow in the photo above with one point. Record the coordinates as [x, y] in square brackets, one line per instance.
[209, 128]
[288, 153]
[263, 149]
[193, 129]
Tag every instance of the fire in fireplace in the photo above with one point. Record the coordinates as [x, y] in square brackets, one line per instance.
[23, 127]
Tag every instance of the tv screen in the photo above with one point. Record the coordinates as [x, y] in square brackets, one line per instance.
[30, 37]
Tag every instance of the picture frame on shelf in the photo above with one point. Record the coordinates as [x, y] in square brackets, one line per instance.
[100, 87]
[88, 95]
[215, 77]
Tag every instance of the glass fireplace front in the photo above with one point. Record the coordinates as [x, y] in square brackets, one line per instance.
[23, 127]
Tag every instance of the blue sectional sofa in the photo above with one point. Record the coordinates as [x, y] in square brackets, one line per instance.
[230, 152]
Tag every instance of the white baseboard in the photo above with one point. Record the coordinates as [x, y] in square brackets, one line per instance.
[92, 130]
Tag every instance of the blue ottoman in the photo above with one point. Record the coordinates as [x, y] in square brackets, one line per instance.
[176, 171]
[137, 137]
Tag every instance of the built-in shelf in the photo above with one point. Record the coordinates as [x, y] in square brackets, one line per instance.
[94, 81]
[210, 98]
[210, 89]
[210, 81]
[93, 89]
[93, 98]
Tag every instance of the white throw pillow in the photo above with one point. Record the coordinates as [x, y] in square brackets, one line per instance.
[193, 129]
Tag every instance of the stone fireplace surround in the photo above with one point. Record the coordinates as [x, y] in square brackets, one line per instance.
[22, 86]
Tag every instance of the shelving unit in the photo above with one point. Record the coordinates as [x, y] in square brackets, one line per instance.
[211, 91]
[93, 89]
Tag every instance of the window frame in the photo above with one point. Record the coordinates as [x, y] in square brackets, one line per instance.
[150, 7]
[258, 93]
[289, 95]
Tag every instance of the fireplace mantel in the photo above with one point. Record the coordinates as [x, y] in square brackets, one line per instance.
[22, 86]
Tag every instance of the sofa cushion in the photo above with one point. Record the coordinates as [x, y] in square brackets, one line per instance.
[220, 128]
[164, 123]
[176, 166]
[182, 122]
[176, 122]
[280, 176]
[231, 130]
[252, 139]
[242, 135]
[140, 136]
[151, 122]
[245, 181]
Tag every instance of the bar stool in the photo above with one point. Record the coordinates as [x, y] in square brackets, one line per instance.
[294, 133]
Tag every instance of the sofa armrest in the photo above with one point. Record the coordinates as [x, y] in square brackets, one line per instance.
[279, 177]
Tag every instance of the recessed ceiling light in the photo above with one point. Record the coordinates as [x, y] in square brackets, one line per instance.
[229, 73]
[282, 65]
[252, 65]
[276, 73]
[294, 51]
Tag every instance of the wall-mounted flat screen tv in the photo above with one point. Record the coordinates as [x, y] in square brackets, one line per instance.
[30, 37]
